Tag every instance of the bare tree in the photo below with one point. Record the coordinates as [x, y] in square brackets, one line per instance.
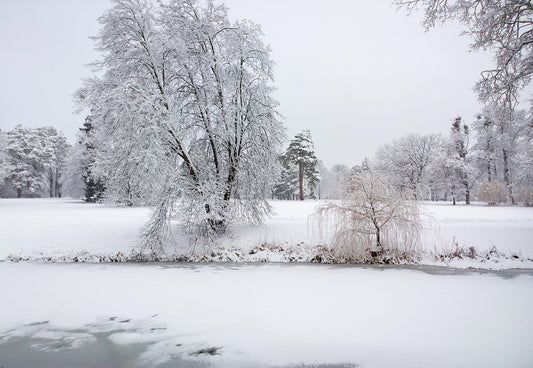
[504, 27]
[406, 159]
[372, 218]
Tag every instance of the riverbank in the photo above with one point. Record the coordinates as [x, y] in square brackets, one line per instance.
[62, 230]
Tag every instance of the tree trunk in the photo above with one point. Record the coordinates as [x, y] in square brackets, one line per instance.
[507, 176]
[489, 174]
[51, 189]
[58, 186]
[301, 179]
[19, 192]
[467, 189]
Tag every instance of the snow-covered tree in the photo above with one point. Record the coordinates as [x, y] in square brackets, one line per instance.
[524, 161]
[56, 165]
[72, 182]
[406, 160]
[286, 187]
[511, 135]
[485, 145]
[4, 170]
[184, 114]
[372, 219]
[461, 159]
[93, 185]
[301, 152]
[331, 181]
[504, 27]
[36, 159]
[29, 160]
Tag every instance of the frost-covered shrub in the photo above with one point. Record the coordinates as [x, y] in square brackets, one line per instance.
[524, 194]
[372, 220]
[492, 192]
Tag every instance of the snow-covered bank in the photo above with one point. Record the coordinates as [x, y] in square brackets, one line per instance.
[273, 315]
[458, 258]
[48, 230]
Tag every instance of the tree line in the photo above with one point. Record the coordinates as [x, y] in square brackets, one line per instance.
[490, 159]
[181, 117]
[32, 162]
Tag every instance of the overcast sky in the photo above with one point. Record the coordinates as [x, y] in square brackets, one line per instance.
[356, 73]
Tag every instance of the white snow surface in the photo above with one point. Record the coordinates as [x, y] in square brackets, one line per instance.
[56, 226]
[277, 315]
[267, 315]
[61, 229]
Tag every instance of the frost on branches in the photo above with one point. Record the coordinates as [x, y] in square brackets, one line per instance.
[373, 220]
[406, 161]
[3, 157]
[34, 161]
[504, 27]
[506, 140]
[183, 114]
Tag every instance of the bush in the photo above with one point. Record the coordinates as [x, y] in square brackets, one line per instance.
[372, 220]
[524, 194]
[492, 192]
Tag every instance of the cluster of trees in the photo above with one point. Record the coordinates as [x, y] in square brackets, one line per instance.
[32, 162]
[496, 148]
[182, 118]
[499, 159]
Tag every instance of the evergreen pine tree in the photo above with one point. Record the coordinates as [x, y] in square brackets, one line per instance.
[287, 185]
[301, 152]
[94, 188]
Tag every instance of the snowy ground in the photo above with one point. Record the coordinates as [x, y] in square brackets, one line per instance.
[53, 226]
[263, 315]
[49, 229]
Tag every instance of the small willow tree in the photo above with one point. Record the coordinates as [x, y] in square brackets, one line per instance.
[372, 219]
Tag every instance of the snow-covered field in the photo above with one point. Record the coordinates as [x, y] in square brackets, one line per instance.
[264, 315]
[50, 228]
[53, 226]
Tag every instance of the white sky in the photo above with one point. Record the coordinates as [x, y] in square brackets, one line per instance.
[357, 73]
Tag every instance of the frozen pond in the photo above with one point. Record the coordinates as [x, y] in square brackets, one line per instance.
[265, 315]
